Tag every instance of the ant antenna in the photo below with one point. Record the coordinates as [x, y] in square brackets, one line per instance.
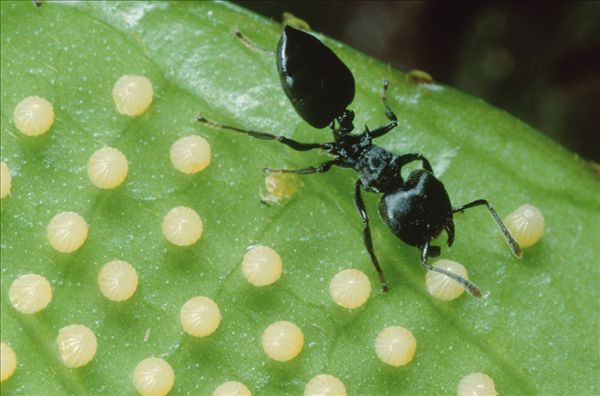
[249, 43]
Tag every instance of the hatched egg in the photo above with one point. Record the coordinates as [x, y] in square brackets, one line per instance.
[117, 280]
[232, 388]
[30, 293]
[282, 341]
[279, 186]
[350, 288]
[476, 384]
[153, 377]
[132, 94]
[200, 316]
[526, 225]
[325, 385]
[182, 226]
[33, 116]
[107, 168]
[395, 346]
[190, 154]
[261, 265]
[67, 231]
[76, 345]
[5, 180]
[442, 287]
[8, 362]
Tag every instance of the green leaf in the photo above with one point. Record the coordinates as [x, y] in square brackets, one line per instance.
[535, 331]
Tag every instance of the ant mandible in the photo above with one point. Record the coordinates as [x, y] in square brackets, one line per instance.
[320, 87]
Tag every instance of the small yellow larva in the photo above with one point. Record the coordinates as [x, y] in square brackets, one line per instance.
[282, 341]
[395, 346]
[8, 362]
[261, 265]
[132, 94]
[5, 180]
[107, 168]
[67, 231]
[442, 287]
[190, 154]
[279, 186]
[350, 288]
[200, 316]
[33, 116]
[153, 377]
[76, 345]
[117, 280]
[526, 225]
[232, 388]
[30, 293]
[476, 384]
[325, 385]
[182, 226]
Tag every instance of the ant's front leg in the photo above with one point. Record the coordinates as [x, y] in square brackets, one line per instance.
[324, 167]
[362, 211]
[388, 113]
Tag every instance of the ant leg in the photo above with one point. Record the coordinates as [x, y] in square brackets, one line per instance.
[388, 113]
[262, 135]
[407, 158]
[514, 246]
[324, 167]
[249, 43]
[362, 211]
[467, 284]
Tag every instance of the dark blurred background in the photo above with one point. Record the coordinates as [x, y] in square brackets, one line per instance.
[539, 61]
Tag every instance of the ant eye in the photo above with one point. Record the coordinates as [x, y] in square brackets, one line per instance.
[153, 377]
[325, 384]
[476, 384]
[33, 116]
[350, 288]
[282, 341]
[76, 345]
[232, 388]
[526, 225]
[132, 95]
[395, 346]
[442, 287]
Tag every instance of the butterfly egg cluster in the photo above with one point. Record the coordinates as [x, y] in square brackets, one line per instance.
[279, 186]
[442, 287]
[132, 94]
[33, 116]
[526, 225]
[107, 168]
[5, 180]
[117, 280]
[8, 362]
[67, 231]
[282, 341]
[190, 154]
[232, 388]
[261, 266]
[153, 377]
[476, 384]
[325, 385]
[182, 226]
[77, 345]
[200, 316]
[395, 346]
[350, 288]
[30, 293]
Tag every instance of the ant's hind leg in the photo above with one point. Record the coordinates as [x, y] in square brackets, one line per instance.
[467, 284]
[249, 43]
[514, 246]
[262, 135]
[324, 167]
[362, 211]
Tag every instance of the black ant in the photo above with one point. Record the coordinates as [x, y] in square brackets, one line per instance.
[320, 87]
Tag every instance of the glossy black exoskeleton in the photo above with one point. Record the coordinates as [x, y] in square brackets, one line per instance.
[320, 87]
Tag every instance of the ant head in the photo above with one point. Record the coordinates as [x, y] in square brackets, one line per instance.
[345, 120]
